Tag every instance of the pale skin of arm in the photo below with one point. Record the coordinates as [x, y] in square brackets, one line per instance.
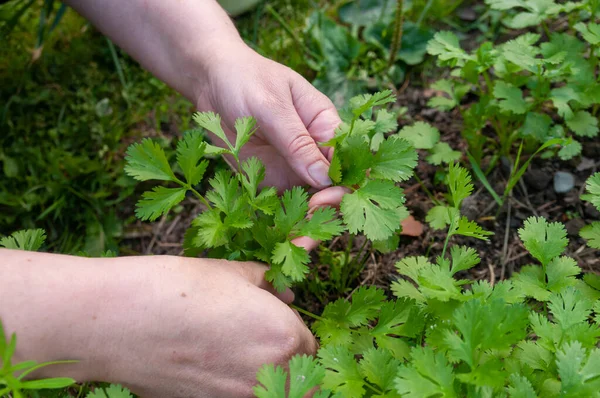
[168, 326]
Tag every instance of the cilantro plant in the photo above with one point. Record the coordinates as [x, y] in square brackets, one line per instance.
[240, 221]
[534, 335]
[592, 232]
[530, 88]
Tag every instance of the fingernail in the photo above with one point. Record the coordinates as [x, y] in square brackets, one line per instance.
[319, 172]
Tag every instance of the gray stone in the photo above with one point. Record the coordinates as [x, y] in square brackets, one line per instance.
[563, 182]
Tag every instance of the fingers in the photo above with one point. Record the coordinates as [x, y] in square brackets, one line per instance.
[298, 120]
[255, 274]
[332, 197]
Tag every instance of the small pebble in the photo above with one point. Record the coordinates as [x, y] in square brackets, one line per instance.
[563, 182]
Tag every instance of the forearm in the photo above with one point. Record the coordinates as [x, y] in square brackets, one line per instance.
[175, 40]
[58, 306]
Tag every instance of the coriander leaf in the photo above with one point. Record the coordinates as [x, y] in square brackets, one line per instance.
[463, 258]
[411, 266]
[437, 283]
[569, 149]
[522, 52]
[189, 152]
[253, 174]
[446, 47]
[561, 272]
[211, 232]
[395, 160]
[421, 135]
[520, 387]
[363, 103]
[542, 239]
[272, 382]
[583, 124]
[322, 225]
[439, 217]
[293, 210]
[26, 239]
[537, 125]
[511, 98]
[212, 122]
[569, 308]
[443, 153]
[305, 374]
[379, 367]
[147, 161]
[444, 103]
[342, 374]
[277, 278]
[292, 258]
[530, 281]
[579, 370]
[244, 128]
[459, 183]
[592, 186]
[470, 229]
[376, 209]
[266, 201]
[385, 121]
[428, 375]
[405, 289]
[355, 159]
[591, 233]
[534, 355]
[591, 32]
[335, 168]
[158, 202]
[561, 97]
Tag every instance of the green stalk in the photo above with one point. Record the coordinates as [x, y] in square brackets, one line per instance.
[305, 312]
[398, 30]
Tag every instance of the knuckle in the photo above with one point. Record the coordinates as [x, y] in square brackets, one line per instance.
[301, 145]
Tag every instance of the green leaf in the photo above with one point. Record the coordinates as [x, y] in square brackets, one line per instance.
[421, 135]
[55, 382]
[443, 153]
[459, 183]
[244, 128]
[561, 273]
[305, 374]
[355, 159]
[189, 152]
[26, 239]
[470, 229]
[591, 32]
[530, 282]
[375, 209]
[147, 161]
[463, 258]
[520, 387]
[542, 239]
[293, 210]
[292, 258]
[395, 160]
[446, 47]
[591, 233]
[253, 174]
[212, 122]
[522, 52]
[583, 124]
[379, 367]
[427, 375]
[561, 97]
[322, 225]
[439, 217]
[211, 231]
[537, 125]
[385, 121]
[570, 149]
[592, 186]
[112, 391]
[511, 98]
[579, 370]
[157, 202]
[342, 373]
[363, 103]
[569, 308]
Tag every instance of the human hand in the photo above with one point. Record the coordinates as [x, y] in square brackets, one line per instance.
[292, 115]
[163, 326]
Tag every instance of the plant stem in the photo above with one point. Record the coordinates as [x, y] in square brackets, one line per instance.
[424, 12]
[305, 312]
[427, 191]
[398, 29]
[199, 196]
